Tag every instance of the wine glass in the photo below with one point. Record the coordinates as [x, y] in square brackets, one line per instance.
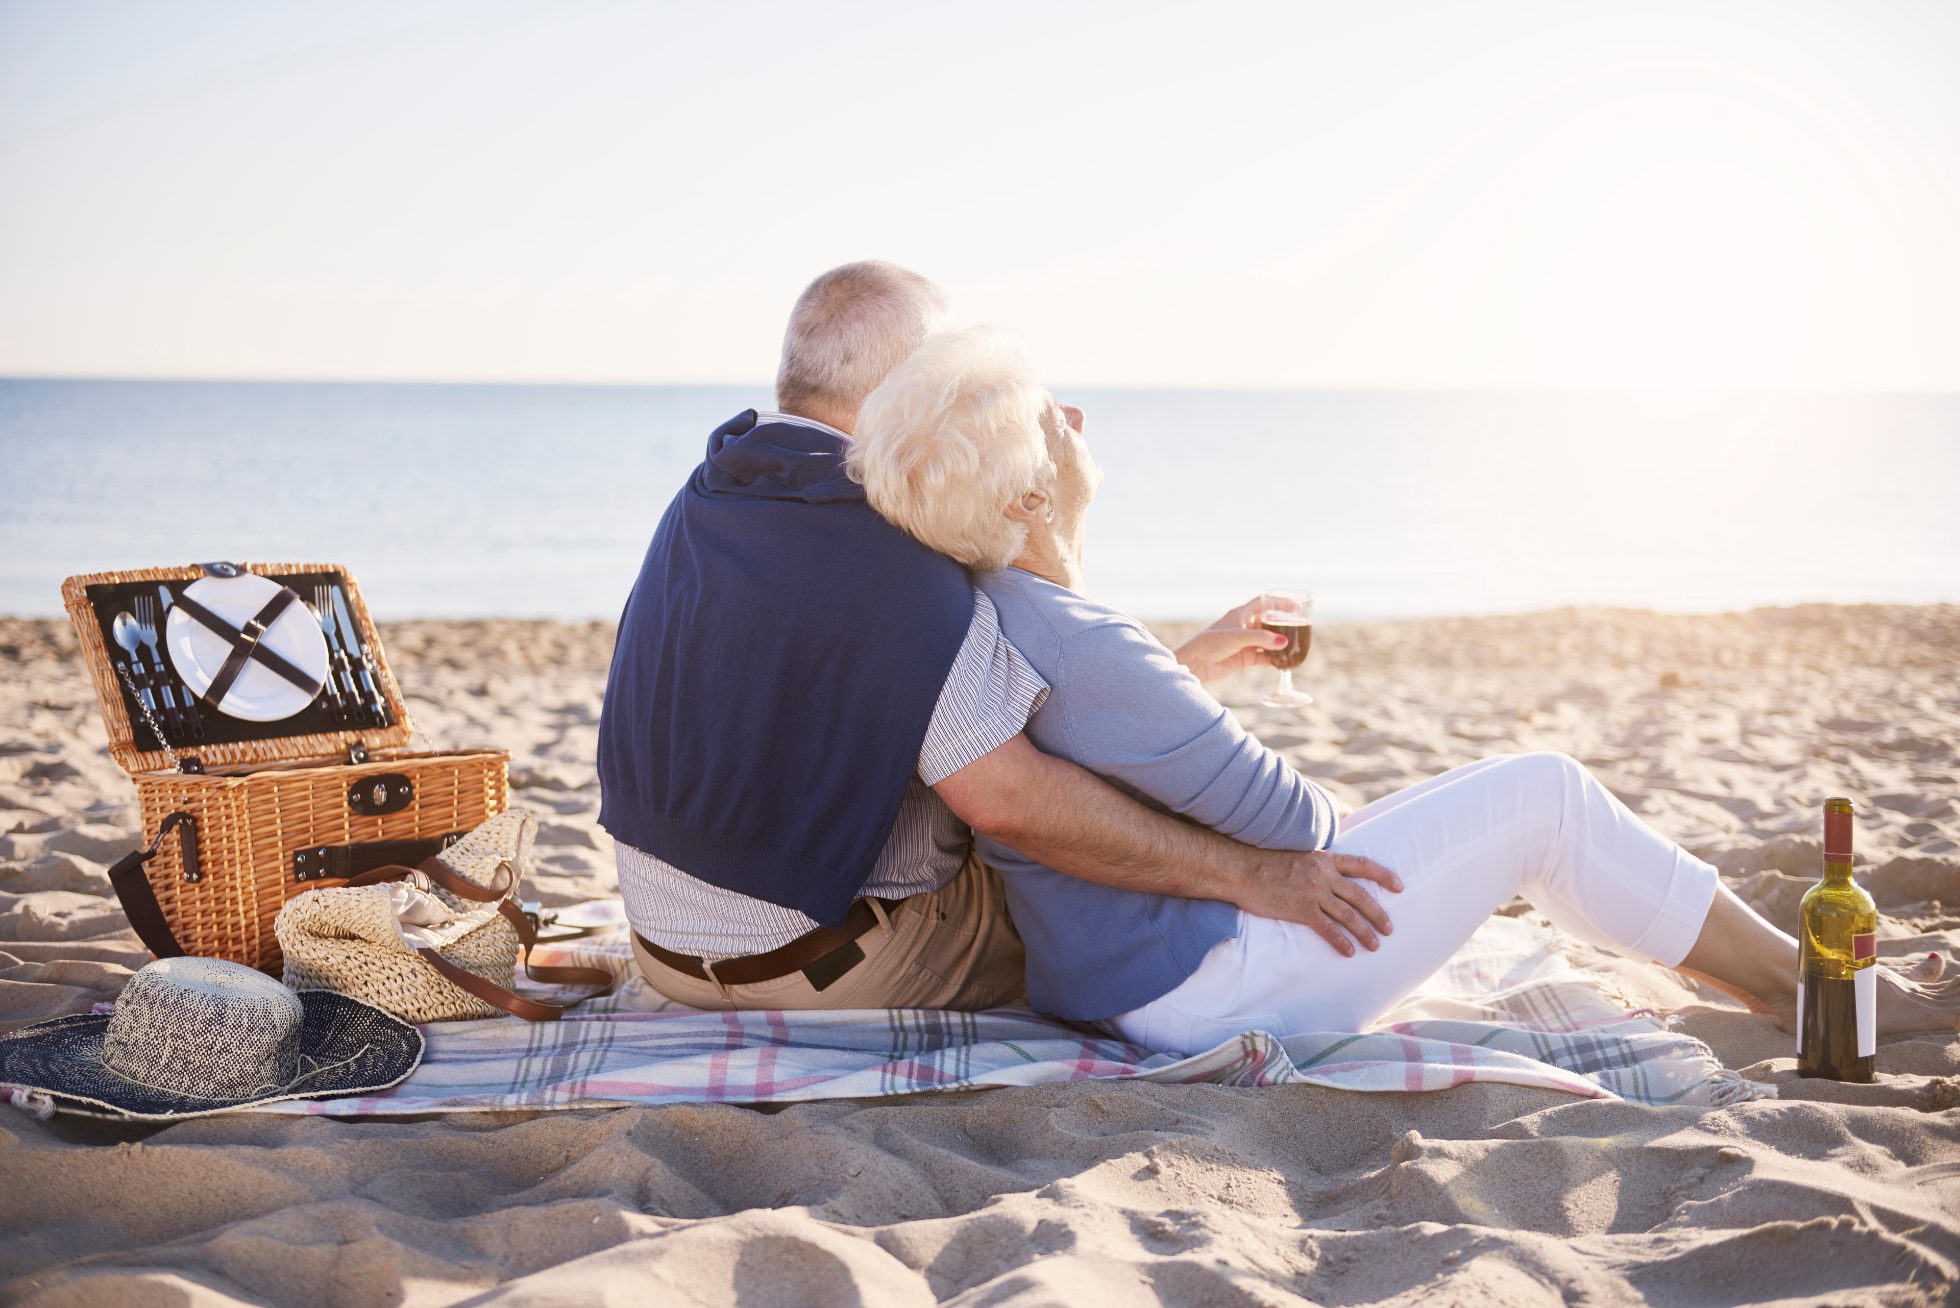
[1288, 611]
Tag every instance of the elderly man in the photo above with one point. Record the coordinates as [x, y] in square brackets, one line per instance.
[809, 713]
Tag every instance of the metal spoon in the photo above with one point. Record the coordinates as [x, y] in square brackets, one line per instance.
[130, 636]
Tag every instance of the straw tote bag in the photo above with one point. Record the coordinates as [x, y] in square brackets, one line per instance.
[350, 938]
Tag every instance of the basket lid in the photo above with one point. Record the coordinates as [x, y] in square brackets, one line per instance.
[232, 663]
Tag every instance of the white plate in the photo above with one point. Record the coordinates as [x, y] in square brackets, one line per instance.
[259, 694]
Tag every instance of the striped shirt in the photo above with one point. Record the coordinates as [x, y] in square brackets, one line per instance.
[990, 694]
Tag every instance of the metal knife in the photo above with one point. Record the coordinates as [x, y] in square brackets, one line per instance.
[351, 637]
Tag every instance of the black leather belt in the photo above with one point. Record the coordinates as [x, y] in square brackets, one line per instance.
[822, 955]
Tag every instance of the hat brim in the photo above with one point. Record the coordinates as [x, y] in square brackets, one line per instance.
[346, 1047]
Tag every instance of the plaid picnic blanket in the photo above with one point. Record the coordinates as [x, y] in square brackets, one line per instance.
[1510, 1007]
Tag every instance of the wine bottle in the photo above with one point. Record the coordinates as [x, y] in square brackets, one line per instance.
[1837, 964]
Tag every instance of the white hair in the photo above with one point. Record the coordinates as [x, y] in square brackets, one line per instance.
[850, 328]
[953, 438]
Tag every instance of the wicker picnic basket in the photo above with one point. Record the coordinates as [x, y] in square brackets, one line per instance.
[239, 817]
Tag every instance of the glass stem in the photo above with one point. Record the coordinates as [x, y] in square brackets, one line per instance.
[1285, 682]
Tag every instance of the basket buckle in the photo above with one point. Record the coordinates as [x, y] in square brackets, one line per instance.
[381, 794]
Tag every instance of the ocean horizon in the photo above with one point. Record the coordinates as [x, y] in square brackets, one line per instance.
[537, 500]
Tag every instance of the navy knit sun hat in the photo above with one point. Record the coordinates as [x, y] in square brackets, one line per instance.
[193, 1036]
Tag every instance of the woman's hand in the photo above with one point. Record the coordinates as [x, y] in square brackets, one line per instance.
[1231, 644]
[1323, 891]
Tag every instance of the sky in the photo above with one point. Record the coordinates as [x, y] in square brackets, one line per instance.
[1451, 196]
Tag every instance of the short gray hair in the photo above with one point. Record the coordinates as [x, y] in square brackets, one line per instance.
[951, 440]
[849, 329]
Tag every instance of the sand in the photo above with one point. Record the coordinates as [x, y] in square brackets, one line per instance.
[1723, 731]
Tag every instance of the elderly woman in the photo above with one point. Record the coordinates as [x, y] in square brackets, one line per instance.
[963, 448]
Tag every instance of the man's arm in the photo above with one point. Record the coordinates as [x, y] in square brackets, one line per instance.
[1060, 815]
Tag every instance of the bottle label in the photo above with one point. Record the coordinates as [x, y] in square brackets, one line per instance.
[1866, 985]
[1862, 1016]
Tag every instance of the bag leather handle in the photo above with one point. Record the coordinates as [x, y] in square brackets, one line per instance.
[531, 1010]
[439, 872]
[139, 897]
[139, 903]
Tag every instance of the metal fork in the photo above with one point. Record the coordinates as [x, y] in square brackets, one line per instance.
[146, 631]
[339, 672]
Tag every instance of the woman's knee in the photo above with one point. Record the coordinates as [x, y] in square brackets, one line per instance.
[1547, 771]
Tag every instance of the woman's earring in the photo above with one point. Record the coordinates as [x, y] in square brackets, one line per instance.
[1050, 515]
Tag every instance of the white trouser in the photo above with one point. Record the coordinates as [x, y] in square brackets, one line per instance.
[1463, 843]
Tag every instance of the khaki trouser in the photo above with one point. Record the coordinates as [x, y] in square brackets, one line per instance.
[954, 947]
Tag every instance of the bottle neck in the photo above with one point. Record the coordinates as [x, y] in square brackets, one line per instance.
[1837, 839]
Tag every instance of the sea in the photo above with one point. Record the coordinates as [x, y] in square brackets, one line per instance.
[539, 500]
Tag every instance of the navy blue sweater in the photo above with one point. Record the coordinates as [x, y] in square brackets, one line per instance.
[777, 666]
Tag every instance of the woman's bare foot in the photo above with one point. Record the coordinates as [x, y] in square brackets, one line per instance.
[1913, 996]
[1919, 997]
[1741, 954]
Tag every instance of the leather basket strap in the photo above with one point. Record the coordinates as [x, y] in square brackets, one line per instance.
[139, 897]
[245, 644]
